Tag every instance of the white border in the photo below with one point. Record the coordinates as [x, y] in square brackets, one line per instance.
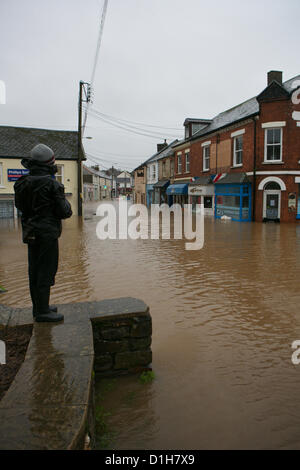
[237, 133]
[268, 125]
[270, 179]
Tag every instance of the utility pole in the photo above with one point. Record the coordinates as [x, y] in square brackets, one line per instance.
[85, 88]
[112, 181]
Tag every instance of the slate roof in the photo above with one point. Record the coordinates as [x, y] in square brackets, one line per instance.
[234, 178]
[162, 153]
[202, 180]
[237, 113]
[18, 142]
[100, 173]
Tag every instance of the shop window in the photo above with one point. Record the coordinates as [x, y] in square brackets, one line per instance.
[208, 200]
[273, 145]
[238, 151]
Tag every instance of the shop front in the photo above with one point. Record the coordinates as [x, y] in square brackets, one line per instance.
[160, 195]
[178, 193]
[201, 191]
[233, 196]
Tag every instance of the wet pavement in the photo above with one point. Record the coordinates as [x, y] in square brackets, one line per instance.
[224, 319]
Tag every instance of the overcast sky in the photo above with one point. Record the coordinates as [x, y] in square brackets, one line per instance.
[160, 61]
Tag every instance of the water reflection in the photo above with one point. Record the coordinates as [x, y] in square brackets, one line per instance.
[224, 319]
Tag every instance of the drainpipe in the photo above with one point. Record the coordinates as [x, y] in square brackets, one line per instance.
[254, 173]
[217, 141]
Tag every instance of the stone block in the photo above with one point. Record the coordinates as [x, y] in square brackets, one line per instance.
[131, 359]
[140, 344]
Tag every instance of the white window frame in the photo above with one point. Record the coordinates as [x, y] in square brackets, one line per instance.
[1, 174]
[187, 161]
[235, 151]
[267, 129]
[179, 156]
[205, 148]
[62, 172]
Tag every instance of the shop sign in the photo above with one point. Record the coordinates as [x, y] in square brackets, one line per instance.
[292, 202]
[14, 175]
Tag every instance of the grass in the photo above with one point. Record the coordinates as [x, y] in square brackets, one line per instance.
[147, 377]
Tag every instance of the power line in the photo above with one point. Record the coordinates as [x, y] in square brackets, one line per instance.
[108, 116]
[96, 56]
[132, 129]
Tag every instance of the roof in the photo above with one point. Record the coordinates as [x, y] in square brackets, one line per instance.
[17, 142]
[237, 113]
[232, 178]
[202, 180]
[161, 184]
[162, 153]
[99, 173]
[196, 121]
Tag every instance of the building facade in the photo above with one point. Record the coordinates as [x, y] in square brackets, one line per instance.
[250, 154]
[17, 142]
[97, 185]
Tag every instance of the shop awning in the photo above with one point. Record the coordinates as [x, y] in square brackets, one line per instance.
[177, 189]
[161, 184]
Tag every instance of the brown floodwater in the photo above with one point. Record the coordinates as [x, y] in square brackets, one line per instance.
[224, 320]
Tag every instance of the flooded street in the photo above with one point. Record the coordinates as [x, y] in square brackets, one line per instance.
[224, 319]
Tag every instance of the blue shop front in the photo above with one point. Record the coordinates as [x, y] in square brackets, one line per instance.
[233, 197]
[178, 193]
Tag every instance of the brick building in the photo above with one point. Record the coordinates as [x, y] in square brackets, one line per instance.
[249, 154]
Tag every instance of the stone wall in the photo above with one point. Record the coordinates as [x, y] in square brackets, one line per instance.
[122, 344]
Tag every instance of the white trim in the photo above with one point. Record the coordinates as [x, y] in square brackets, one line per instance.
[297, 179]
[237, 133]
[275, 172]
[62, 172]
[268, 125]
[273, 179]
[179, 154]
[298, 124]
[187, 150]
[1, 175]
[266, 145]
[204, 144]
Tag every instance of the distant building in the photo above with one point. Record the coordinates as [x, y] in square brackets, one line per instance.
[97, 185]
[17, 142]
[124, 183]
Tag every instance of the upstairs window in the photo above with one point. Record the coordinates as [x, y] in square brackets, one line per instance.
[1, 174]
[153, 172]
[164, 169]
[187, 162]
[206, 158]
[179, 164]
[238, 151]
[273, 145]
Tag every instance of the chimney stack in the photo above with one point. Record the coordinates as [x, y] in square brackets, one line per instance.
[274, 75]
[162, 146]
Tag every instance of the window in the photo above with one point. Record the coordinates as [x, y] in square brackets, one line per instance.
[153, 172]
[172, 167]
[60, 174]
[273, 145]
[179, 164]
[238, 151]
[1, 174]
[187, 162]
[206, 157]
[164, 169]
